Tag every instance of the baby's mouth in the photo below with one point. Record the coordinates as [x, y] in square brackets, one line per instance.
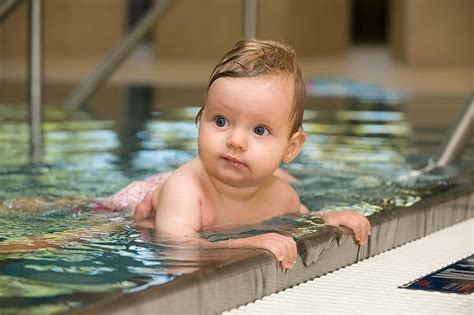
[234, 162]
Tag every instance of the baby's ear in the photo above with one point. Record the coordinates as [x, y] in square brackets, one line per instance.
[294, 146]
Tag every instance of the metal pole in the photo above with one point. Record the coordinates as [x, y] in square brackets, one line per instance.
[115, 56]
[35, 79]
[250, 18]
[7, 6]
[459, 138]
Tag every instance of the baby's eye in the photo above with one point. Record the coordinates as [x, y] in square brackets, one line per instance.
[261, 131]
[220, 121]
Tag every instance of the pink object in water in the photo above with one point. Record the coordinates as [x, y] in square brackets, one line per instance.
[129, 196]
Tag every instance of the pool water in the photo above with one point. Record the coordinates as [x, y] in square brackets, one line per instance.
[354, 158]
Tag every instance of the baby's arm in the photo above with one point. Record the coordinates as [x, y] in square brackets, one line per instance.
[282, 247]
[358, 223]
[282, 197]
[178, 210]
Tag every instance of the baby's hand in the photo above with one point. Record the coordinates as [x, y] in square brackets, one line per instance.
[282, 247]
[358, 223]
[144, 214]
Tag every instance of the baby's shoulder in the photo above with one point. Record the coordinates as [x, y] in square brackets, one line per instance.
[283, 194]
[185, 178]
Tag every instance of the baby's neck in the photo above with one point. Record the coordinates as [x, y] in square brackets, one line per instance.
[237, 194]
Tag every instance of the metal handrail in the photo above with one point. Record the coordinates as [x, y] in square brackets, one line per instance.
[250, 18]
[456, 143]
[35, 69]
[7, 6]
[116, 56]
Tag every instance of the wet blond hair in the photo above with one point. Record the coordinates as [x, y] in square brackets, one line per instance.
[254, 58]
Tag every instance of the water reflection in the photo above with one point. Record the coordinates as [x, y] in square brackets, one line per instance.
[131, 125]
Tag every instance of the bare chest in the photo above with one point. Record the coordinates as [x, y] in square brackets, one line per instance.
[217, 214]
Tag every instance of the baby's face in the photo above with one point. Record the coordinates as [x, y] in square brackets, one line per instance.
[244, 127]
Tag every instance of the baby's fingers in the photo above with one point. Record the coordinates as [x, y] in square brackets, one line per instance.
[361, 229]
[284, 249]
[291, 252]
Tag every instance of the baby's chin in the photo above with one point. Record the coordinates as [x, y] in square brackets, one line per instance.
[239, 176]
[244, 181]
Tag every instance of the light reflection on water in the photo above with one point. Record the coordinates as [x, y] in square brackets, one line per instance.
[351, 160]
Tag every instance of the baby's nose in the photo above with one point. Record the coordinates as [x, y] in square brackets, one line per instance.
[238, 140]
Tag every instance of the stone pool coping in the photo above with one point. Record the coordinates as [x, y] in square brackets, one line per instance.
[254, 273]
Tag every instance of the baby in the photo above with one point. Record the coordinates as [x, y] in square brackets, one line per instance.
[251, 121]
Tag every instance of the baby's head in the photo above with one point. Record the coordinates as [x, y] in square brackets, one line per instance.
[254, 58]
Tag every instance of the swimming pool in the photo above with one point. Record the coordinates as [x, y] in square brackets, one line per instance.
[355, 155]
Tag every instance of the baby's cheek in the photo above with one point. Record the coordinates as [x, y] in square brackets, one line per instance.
[209, 146]
[265, 165]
